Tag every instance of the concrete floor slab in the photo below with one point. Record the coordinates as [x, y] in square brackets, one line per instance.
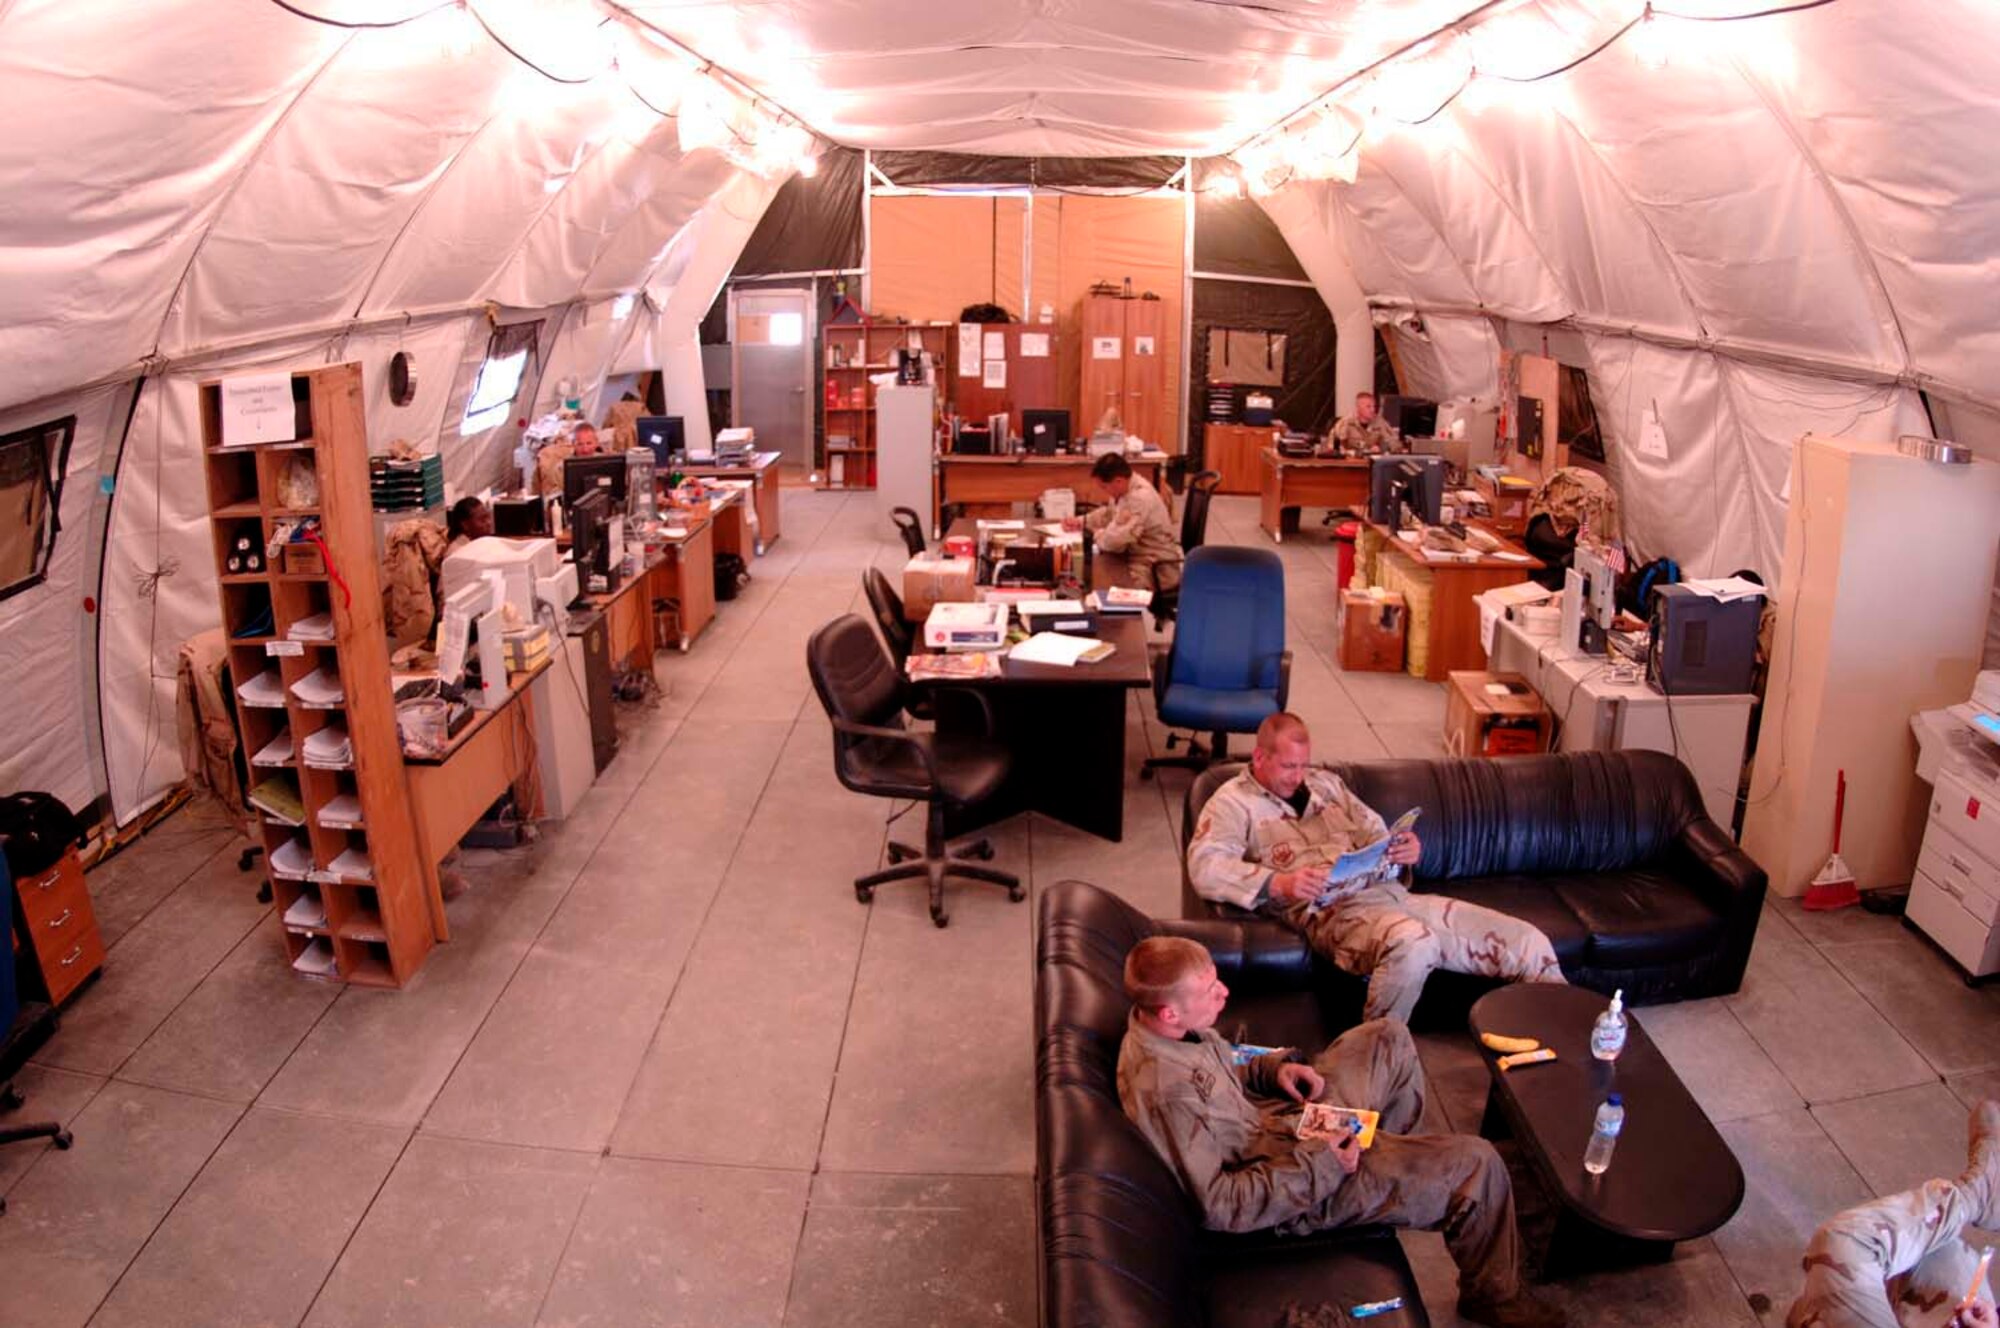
[1795, 1178]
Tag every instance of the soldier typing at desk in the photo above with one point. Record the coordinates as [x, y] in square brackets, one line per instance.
[1364, 432]
[1133, 522]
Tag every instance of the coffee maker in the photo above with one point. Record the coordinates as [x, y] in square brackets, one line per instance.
[909, 366]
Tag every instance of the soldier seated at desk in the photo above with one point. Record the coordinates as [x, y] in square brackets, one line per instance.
[1134, 522]
[1363, 433]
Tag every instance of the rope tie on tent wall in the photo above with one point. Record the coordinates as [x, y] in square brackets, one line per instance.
[149, 582]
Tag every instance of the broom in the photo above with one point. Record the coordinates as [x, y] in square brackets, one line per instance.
[1834, 886]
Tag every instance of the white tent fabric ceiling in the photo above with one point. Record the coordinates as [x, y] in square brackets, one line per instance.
[1792, 225]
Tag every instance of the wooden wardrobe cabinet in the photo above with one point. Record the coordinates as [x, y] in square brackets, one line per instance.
[1123, 365]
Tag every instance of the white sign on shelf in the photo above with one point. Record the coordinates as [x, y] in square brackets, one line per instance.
[996, 373]
[1034, 345]
[996, 345]
[1106, 348]
[277, 649]
[257, 408]
[968, 350]
[1142, 345]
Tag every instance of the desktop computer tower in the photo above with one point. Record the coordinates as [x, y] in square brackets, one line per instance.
[597, 686]
[1702, 646]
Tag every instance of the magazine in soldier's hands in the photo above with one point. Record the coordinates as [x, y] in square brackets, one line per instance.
[1321, 1120]
[1352, 870]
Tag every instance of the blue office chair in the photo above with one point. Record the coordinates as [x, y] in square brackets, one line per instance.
[1228, 667]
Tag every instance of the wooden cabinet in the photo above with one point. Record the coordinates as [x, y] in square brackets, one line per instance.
[1231, 450]
[850, 354]
[308, 655]
[1032, 382]
[57, 927]
[1123, 342]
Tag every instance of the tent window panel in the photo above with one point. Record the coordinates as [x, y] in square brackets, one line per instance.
[499, 379]
[1576, 417]
[32, 462]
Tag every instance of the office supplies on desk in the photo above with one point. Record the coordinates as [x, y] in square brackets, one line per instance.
[960, 626]
[1055, 615]
[1057, 648]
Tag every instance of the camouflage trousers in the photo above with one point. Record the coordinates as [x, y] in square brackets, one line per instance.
[1394, 939]
[1453, 1184]
[1897, 1262]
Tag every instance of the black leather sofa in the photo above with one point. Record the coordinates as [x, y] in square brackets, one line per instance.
[1609, 853]
[1122, 1242]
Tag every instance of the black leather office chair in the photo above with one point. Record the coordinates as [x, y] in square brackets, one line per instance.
[898, 633]
[910, 526]
[23, 1029]
[1194, 533]
[874, 753]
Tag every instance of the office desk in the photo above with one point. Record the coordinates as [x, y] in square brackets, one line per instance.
[1450, 626]
[991, 485]
[495, 751]
[628, 618]
[1288, 483]
[685, 573]
[1707, 733]
[731, 516]
[763, 474]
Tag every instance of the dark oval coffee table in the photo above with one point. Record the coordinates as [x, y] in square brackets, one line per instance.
[1672, 1178]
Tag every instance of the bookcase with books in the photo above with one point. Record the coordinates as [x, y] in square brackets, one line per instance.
[851, 355]
[309, 661]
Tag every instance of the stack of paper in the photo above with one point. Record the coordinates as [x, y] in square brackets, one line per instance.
[354, 862]
[342, 812]
[306, 911]
[1119, 599]
[320, 689]
[1056, 648]
[278, 798]
[319, 627]
[278, 751]
[291, 860]
[317, 959]
[329, 749]
[1728, 589]
[266, 689]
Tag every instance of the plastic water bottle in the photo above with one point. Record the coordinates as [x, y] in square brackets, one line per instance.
[1607, 1035]
[1604, 1136]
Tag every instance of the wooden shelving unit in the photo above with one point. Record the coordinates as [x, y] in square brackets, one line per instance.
[849, 354]
[371, 927]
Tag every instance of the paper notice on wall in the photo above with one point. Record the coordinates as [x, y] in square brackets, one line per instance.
[1142, 345]
[1652, 437]
[1107, 348]
[968, 350]
[1034, 345]
[996, 346]
[996, 373]
[257, 408]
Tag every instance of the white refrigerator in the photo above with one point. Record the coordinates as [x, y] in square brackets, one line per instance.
[903, 442]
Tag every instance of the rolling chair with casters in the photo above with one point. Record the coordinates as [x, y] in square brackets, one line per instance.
[23, 1029]
[910, 526]
[873, 753]
[898, 633]
[1194, 531]
[1227, 669]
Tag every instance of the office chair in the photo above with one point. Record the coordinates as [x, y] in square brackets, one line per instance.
[898, 633]
[23, 1029]
[1194, 532]
[910, 526]
[874, 753]
[1227, 668]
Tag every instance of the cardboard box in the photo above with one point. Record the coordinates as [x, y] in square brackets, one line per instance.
[1494, 714]
[929, 580]
[1371, 627]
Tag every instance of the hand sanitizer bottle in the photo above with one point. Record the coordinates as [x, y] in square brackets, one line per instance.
[1607, 1035]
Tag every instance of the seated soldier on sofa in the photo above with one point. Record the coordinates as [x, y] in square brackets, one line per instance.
[1266, 841]
[1229, 1133]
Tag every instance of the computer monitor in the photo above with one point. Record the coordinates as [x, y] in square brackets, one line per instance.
[1416, 480]
[1600, 585]
[1047, 431]
[664, 436]
[1412, 417]
[587, 474]
[589, 516]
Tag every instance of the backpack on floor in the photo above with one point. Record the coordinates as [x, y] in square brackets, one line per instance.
[35, 829]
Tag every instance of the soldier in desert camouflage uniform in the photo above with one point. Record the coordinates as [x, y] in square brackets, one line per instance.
[1229, 1133]
[1264, 842]
[1903, 1261]
[1364, 431]
[1575, 498]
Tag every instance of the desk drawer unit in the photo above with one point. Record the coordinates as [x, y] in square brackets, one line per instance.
[1967, 814]
[60, 927]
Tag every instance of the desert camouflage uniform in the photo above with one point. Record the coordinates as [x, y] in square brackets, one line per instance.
[1903, 1261]
[1247, 834]
[1228, 1132]
[1352, 436]
[1573, 495]
[1139, 527]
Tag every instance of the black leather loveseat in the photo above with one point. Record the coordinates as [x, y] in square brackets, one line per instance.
[1609, 853]
[1122, 1242]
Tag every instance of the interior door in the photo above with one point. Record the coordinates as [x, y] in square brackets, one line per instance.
[773, 336]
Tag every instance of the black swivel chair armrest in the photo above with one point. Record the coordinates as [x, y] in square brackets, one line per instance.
[1255, 953]
[920, 741]
[1161, 657]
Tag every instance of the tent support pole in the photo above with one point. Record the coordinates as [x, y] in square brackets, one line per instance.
[1186, 177]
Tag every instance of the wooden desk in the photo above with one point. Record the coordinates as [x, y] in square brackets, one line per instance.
[1452, 627]
[1289, 483]
[685, 573]
[1509, 506]
[731, 516]
[1231, 450]
[762, 472]
[495, 751]
[628, 619]
[991, 485]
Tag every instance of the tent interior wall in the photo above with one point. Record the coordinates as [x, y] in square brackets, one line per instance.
[1789, 228]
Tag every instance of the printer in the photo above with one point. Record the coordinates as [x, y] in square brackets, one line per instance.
[956, 625]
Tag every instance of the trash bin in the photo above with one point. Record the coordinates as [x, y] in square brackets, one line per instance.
[1344, 536]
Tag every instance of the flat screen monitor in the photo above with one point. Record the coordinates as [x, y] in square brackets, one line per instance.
[1599, 586]
[589, 474]
[1412, 417]
[589, 514]
[1416, 480]
[1046, 431]
[664, 436]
